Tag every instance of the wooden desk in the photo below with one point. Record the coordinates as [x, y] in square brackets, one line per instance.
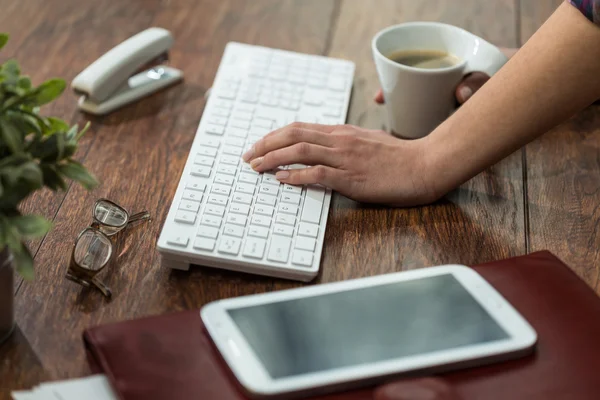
[542, 197]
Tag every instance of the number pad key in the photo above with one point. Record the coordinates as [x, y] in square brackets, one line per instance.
[254, 248]
[230, 245]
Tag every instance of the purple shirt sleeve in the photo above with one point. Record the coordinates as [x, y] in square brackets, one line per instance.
[589, 8]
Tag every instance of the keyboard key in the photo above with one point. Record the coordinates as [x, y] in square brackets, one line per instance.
[226, 104]
[263, 210]
[248, 169]
[303, 258]
[332, 112]
[211, 143]
[247, 178]
[229, 245]
[265, 199]
[240, 133]
[292, 189]
[204, 160]
[237, 219]
[307, 229]
[258, 231]
[285, 219]
[245, 107]
[208, 231]
[242, 115]
[193, 195]
[242, 198]
[291, 198]
[305, 243]
[313, 204]
[262, 123]
[224, 179]
[288, 208]
[181, 241]
[197, 185]
[217, 200]
[283, 230]
[279, 249]
[203, 243]
[234, 151]
[270, 178]
[261, 220]
[215, 129]
[212, 209]
[188, 205]
[234, 142]
[221, 112]
[240, 123]
[216, 120]
[233, 230]
[185, 217]
[245, 188]
[201, 171]
[269, 189]
[239, 209]
[207, 151]
[210, 220]
[231, 160]
[336, 83]
[226, 169]
[221, 189]
[254, 248]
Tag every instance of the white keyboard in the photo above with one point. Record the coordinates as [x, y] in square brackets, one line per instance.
[226, 215]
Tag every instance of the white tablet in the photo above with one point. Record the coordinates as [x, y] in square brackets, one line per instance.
[344, 334]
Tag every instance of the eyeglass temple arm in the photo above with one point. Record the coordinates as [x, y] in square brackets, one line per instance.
[141, 216]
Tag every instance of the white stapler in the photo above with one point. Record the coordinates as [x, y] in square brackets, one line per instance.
[108, 84]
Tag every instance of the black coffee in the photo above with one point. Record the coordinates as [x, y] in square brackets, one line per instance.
[427, 59]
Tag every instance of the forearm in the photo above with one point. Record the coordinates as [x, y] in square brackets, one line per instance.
[556, 74]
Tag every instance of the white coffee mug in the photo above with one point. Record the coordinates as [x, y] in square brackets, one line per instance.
[417, 100]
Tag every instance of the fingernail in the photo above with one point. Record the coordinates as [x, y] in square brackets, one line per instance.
[282, 175]
[248, 155]
[256, 162]
[465, 92]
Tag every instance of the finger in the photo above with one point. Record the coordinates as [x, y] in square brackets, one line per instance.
[319, 174]
[286, 138]
[299, 153]
[379, 97]
[303, 125]
[469, 85]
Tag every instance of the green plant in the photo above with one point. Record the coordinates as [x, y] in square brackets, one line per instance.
[35, 151]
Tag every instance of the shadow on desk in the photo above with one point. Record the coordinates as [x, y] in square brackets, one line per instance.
[20, 363]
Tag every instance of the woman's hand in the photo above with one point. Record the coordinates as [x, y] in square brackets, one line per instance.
[365, 165]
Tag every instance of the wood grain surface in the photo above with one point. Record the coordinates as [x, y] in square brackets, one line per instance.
[138, 154]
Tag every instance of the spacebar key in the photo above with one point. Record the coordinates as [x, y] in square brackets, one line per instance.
[313, 203]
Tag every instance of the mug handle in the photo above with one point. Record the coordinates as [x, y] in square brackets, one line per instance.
[489, 58]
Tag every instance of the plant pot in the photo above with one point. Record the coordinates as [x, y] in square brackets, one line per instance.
[7, 288]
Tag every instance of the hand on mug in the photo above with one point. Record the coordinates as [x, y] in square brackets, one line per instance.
[470, 84]
[362, 164]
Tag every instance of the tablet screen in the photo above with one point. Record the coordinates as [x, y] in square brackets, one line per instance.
[366, 325]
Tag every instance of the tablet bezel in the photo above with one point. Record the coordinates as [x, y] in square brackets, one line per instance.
[249, 370]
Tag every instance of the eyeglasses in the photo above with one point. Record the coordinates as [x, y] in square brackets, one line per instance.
[94, 247]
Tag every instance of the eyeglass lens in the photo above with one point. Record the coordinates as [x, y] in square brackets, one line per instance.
[92, 250]
[112, 216]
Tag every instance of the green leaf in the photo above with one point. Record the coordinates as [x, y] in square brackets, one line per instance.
[31, 226]
[3, 39]
[23, 262]
[77, 172]
[24, 83]
[11, 136]
[57, 125]
[48, 91]
[32, 174]
[52, 178]
[83, 131]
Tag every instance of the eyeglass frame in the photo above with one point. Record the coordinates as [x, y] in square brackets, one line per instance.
[87, 277]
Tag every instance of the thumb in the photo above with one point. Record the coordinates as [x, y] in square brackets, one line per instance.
[469, 85]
